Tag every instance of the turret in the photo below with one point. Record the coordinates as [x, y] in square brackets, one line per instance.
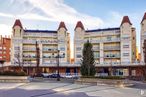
[79, 25]
[17, 28]
[62, 41]
[78, 41]
[126, 40]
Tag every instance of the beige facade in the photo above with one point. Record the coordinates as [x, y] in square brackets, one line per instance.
[111, 46]
[143, 36]
[23, 46]
[68, 48]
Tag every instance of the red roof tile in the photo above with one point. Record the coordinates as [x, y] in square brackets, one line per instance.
[144, 17]
[126, 20]
[62, 25]
[79, 24]
[17, 23]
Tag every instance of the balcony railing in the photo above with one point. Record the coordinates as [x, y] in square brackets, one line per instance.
[29, 49]
[112, 56]
[112, 48]
[41, 41]
[105, 40]
[50, 49]
[96, 48]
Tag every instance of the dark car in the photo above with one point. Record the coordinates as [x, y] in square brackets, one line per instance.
[38, 75]
[54, 76]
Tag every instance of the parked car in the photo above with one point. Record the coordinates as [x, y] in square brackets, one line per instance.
[45, 75]
[68, 76]
[38, 75]
[54, 76]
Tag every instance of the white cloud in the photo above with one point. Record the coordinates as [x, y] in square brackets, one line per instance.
[59, 11]
[32, 16]
[6, 15]
[5, 29]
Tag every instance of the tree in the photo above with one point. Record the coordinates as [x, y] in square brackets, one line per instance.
[87, 62]
[144, 69]
[18, 60]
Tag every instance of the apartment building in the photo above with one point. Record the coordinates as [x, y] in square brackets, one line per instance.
[143, 36]
[50, 43]
[5, 43]
[112, 46]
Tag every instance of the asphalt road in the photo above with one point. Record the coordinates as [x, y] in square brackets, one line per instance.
[62, 89]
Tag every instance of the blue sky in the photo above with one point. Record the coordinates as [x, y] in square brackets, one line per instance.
[46, 14]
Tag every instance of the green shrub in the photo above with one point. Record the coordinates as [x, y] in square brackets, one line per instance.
[12, 73]
[111, 77]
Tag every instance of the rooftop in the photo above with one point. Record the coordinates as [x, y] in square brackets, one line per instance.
[106, 29]
[40, 31]
[126, 20]
[17, 23]
[144, 17]
[79, 24]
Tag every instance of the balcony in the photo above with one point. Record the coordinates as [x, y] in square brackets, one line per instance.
[111, 48]
[104, 40]
[41, 41]
[29, 57]
[96, 48]
[111, 40]
[112, 56]
[29, 49]
[50, 49]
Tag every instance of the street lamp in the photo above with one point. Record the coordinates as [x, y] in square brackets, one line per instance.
[58, 56]
[2, 62]
[58, 77]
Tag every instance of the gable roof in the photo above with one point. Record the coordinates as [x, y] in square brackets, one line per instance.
[40, 31]
[126, 20]
[79, 24]
[17, 23]
[62, 25]
[144, 17]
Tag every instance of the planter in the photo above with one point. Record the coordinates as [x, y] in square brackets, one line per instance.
[21, 79]
[97, 81]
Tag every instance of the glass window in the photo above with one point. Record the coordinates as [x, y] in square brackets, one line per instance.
[79, 56]
[62, 49]
[125, 46]
[78, 48]
[109, 38]
[125, 54]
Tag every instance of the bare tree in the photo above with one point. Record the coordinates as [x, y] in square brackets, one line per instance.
[18, 61]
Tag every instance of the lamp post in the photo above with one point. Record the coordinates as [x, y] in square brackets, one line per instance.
[58, 77]
[2, 62]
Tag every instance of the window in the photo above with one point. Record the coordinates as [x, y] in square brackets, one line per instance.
[125, 54]
[109, 38]
[126, 46]
[62, 49]
[125, 38]
[78, 48]
[17, 48]
[4, 48]
[79, 56]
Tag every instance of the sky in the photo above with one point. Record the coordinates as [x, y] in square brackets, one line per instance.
[47, 14]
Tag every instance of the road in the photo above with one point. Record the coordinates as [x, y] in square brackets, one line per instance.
[59, 89]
